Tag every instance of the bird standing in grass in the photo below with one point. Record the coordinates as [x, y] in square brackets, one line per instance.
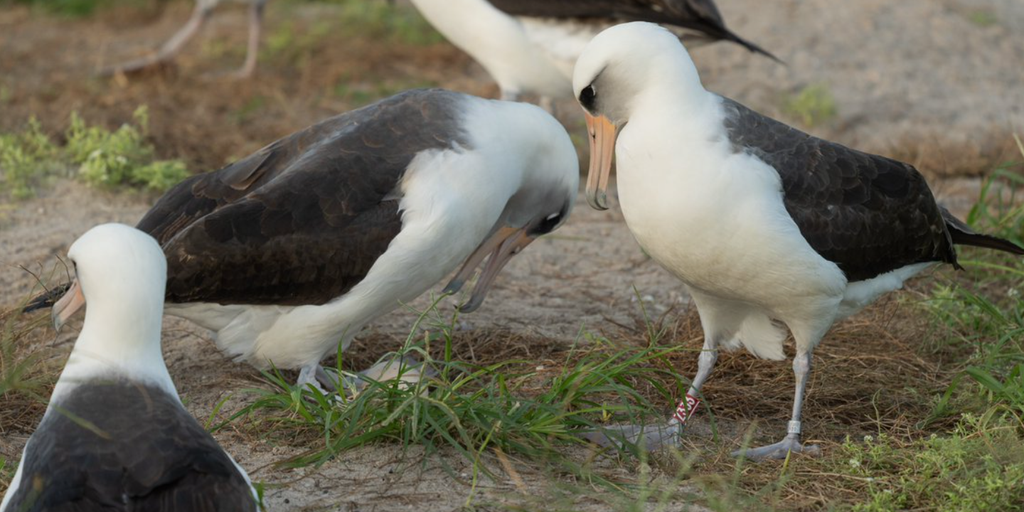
[201, 13]
[294, 249]
[767, 226]
[115, 435]
[530, 46]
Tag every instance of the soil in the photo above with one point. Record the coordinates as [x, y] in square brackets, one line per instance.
[923, 80]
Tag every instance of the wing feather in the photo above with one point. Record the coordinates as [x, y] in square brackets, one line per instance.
[866, 213]
[127, 446]
[302, 220]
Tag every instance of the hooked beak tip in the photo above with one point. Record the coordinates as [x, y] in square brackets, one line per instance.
[598, 200]
[472, 305]
[453, 287]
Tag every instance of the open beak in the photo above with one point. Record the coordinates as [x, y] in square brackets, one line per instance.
[602, 147]
[502, 245]
[71, 302]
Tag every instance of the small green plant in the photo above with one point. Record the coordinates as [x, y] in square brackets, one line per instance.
[812, 105]
[26, 159]
[983, 18]
[102, 157]
[121, 157]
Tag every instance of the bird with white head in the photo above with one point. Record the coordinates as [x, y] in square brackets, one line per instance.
[115, 432]
[767, 226]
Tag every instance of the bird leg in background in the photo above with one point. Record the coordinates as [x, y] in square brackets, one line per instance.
[255, 24]
[791, 443]
[171, 47]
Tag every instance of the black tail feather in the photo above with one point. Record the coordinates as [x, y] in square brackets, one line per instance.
[962, 234]
[47, 298]
[731, 36]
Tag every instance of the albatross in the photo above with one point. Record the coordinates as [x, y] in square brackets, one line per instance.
[292, 250]
[530, 46]
[115, 435]
[201, 13]
[767, 226]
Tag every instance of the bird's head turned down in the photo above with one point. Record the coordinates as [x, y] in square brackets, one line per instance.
[116, 266]
[542, 203]
[622, 68]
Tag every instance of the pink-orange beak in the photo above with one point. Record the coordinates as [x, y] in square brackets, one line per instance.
[68, 305]
[502, 245]
[602, 148]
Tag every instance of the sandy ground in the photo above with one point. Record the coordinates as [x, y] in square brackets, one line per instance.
[917, 78]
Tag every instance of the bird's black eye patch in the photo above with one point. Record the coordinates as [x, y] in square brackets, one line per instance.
[587, 97]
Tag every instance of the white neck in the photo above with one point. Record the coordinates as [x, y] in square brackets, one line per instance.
[118, 340]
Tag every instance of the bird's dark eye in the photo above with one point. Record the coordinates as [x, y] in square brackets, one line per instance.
[587, 96]
[548, 224]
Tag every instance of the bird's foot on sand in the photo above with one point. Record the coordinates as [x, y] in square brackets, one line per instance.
[645, 437]
[779, 450]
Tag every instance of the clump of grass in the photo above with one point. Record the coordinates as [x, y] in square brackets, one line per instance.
[23, 381]
[812, 105]
[121, 157]
[509, 406]
[103, 158]
[26, 159]
[983, 18]
[980, 466]
[986, 318]
[293, 43]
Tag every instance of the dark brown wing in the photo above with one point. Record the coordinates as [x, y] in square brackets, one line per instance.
[126, 446]
[304, 219]
[698, 15]
[866, 213]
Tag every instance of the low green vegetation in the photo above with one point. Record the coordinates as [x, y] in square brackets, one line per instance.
[979, 463]
[813, 105]
[98, 156]
[478, 410]
[983, 18]
[68, 8]
[978, 466]
[387, 23]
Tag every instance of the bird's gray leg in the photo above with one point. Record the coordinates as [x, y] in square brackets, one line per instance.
[310, 376]
[791, 443]
[509, 95]
[199, 16]
[653, 437]
[255, 24]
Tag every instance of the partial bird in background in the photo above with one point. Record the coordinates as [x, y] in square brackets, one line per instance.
[202, 12]
[531, 46]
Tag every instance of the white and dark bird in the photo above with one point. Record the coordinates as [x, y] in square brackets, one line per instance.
[530, 46]
[767, 226]
[200, 15]
[294, 249]
[115, 435]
